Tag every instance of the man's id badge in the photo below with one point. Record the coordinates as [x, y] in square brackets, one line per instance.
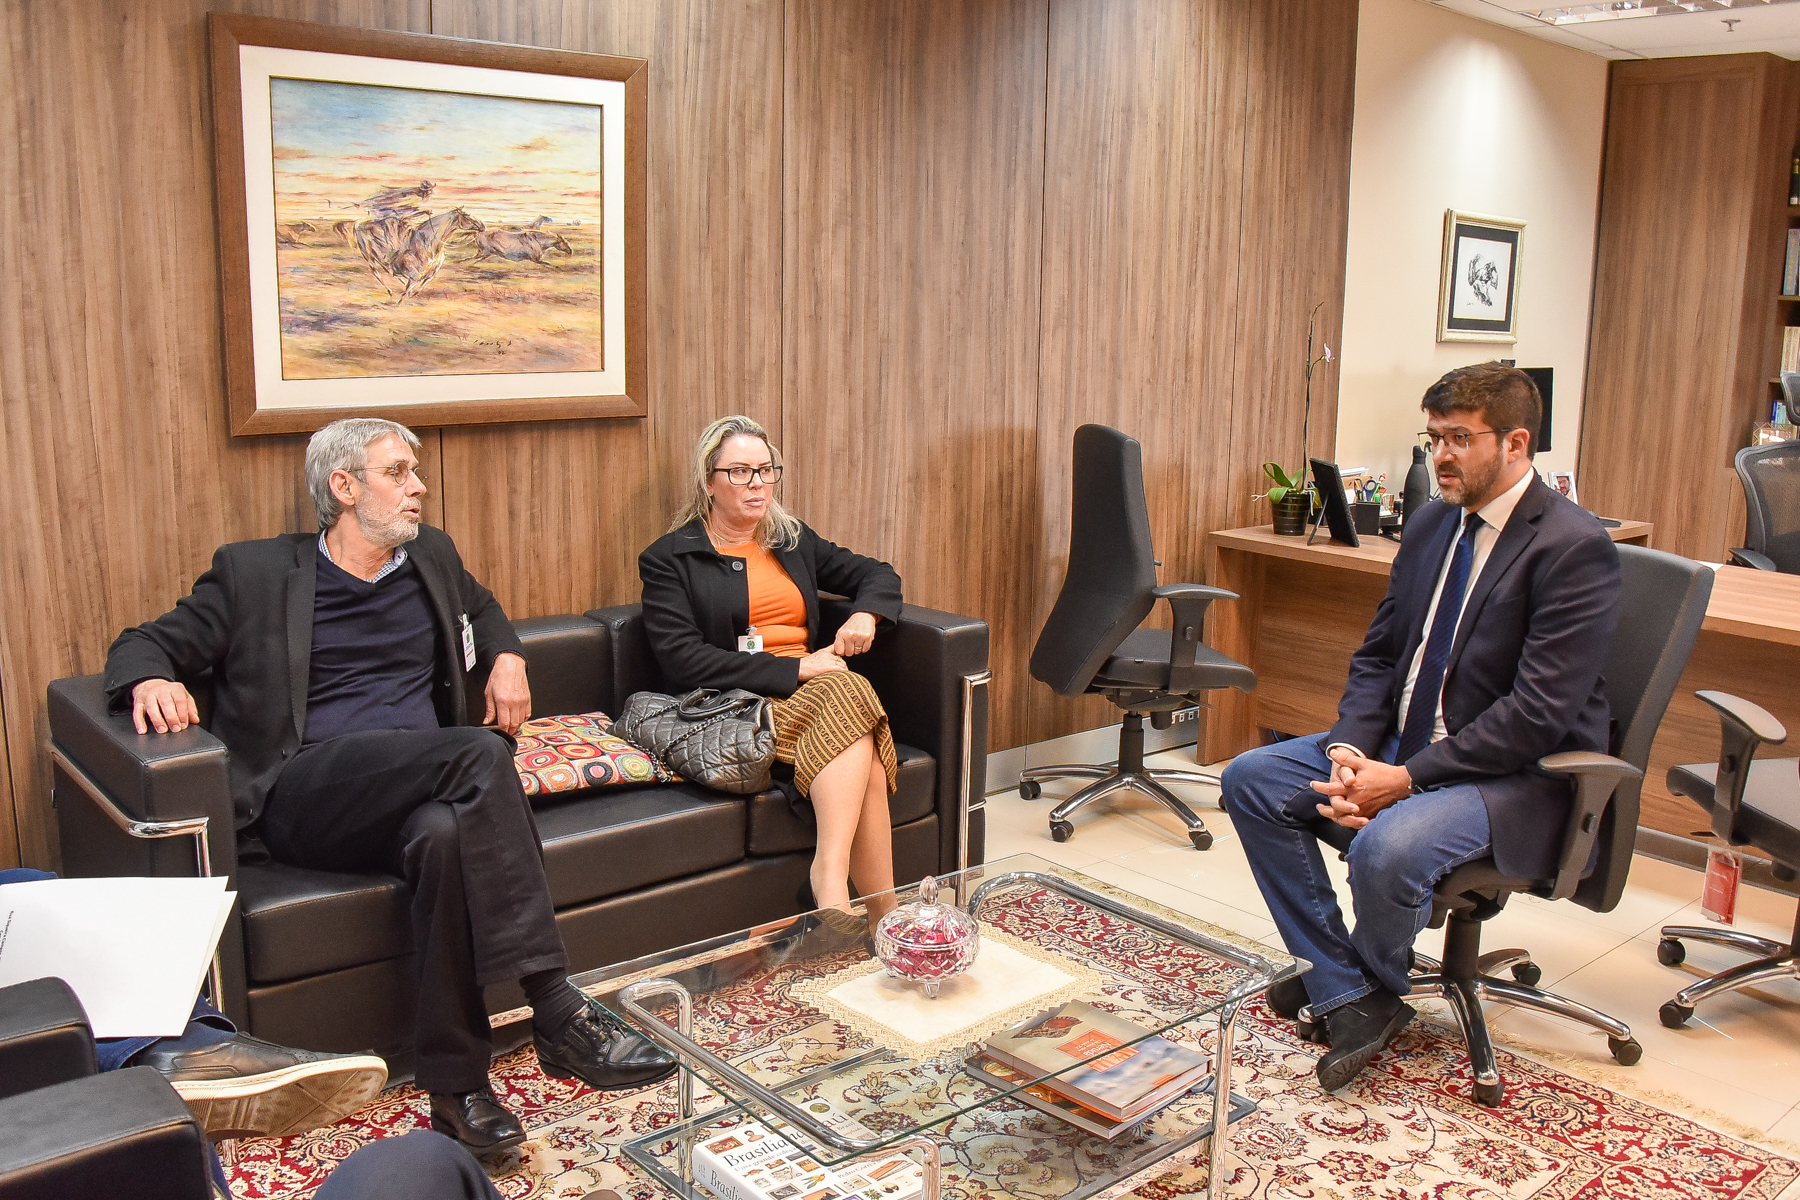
[751, 642]
[468, 644]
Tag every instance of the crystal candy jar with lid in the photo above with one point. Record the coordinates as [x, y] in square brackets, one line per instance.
[925, 941]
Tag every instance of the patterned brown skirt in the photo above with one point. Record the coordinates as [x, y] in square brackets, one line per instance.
[823, 718]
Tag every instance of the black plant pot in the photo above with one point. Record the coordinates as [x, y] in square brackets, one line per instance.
[1294, 511]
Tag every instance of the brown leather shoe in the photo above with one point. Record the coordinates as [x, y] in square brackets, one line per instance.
[475, 1119]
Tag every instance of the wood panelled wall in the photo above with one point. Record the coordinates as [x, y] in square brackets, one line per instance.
[1686, 329]
[921, 241]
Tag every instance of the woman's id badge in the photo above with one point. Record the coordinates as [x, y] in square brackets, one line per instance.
[468, 644]
[751, 642]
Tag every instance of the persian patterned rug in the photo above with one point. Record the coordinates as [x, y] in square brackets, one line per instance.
[1407, 1127]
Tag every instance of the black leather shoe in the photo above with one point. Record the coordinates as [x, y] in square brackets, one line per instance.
[475, 1119]
[1359, 1030]
[603, 1052]
[246, 1087]
[1287, 996]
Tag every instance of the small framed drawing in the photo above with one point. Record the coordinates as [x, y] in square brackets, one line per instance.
[1478, 295]
[433, 230]
[1564, 482]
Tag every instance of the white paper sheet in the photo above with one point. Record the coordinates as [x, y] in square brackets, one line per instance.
[135, 951]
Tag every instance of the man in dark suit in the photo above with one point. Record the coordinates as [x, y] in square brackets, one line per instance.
[337, 664]
[1484, 656]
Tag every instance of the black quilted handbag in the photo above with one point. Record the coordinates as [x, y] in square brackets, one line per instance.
[725, 740]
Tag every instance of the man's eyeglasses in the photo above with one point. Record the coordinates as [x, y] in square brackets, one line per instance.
[396, 473]
[1458, 441]
[740, 476]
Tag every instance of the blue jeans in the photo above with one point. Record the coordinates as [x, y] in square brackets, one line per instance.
[1395, 861]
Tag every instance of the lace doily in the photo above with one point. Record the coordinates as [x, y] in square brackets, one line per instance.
[1010, 981]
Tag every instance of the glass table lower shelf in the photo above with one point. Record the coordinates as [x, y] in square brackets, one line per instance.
[747, 1014]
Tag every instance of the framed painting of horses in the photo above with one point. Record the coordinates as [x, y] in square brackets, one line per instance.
[434, 230]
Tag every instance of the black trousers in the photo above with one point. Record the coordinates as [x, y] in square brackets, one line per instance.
[442, 809]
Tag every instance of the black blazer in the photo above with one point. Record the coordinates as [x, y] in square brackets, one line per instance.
[249, 623]
[1523, 678]
[697, 604]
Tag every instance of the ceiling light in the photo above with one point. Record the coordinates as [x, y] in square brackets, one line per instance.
[1614, 10]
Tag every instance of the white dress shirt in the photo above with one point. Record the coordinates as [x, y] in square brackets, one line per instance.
[1494, 516]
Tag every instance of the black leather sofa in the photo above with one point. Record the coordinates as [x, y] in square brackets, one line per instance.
[70, 1131]
[321, 960]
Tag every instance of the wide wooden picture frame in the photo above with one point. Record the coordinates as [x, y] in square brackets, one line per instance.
[1478, 291]
[427, 229]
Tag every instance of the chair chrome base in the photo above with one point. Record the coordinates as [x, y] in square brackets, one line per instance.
[1774, 961]
[1465, 999]
[1128, 771]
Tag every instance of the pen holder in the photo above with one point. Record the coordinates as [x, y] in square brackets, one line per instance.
[1366, 514]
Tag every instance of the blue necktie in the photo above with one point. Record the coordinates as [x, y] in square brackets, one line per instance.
[1421, 713]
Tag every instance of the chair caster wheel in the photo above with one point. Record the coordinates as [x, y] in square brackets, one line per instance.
[1030, 789]
[1670, 952]
[1312, 1031]
[1062, 831]
[1201, 838]
[1625, 1053]
[1489, 1094]
[1674, 1015]
[1528, 973]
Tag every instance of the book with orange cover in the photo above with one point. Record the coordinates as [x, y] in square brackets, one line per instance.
[1139, 1074]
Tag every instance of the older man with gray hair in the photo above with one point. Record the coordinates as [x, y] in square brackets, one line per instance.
[338, 662]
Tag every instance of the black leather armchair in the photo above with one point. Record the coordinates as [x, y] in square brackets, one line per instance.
[66, 1130]
[321, 959]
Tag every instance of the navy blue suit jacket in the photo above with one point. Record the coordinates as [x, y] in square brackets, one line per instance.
[1523, 678]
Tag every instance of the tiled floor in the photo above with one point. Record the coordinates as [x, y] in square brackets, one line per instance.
[1739, 1057]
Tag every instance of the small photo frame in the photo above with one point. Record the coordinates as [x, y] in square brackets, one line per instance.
[1564, 482]
[1478, 294]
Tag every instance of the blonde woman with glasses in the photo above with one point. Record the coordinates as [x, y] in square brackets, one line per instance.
[731, 600]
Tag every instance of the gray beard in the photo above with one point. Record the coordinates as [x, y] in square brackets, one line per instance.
[395, 531]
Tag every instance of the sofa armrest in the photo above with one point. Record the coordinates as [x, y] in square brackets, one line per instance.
[144, 784]
[924, 668]
[44, 1037]
[123, 1133]
[157, 804]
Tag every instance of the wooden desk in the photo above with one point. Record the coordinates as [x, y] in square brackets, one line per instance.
[1304, 610]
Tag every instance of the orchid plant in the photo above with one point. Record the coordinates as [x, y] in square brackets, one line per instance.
[1282, 481]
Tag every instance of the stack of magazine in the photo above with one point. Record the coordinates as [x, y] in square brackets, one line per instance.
[1107, 1095]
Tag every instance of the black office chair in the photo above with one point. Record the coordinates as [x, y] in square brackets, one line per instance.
[1091, 643]
[1752, 804]
[1771, 478]
[1662, 602]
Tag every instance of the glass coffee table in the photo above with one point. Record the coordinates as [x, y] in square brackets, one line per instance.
[793, 1020]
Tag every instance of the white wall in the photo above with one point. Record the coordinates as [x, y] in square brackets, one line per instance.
[1452, 112]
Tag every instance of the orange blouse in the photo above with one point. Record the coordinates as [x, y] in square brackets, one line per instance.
[776, 607]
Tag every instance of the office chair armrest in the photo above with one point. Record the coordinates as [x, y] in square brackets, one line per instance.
[1187, 601]
[1597, 776]
[1743, 728]
[1750, 558]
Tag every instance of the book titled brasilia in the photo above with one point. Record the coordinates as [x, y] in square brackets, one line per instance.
[1140, 1074]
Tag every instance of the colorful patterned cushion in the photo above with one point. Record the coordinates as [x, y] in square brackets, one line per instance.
[571, 754]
